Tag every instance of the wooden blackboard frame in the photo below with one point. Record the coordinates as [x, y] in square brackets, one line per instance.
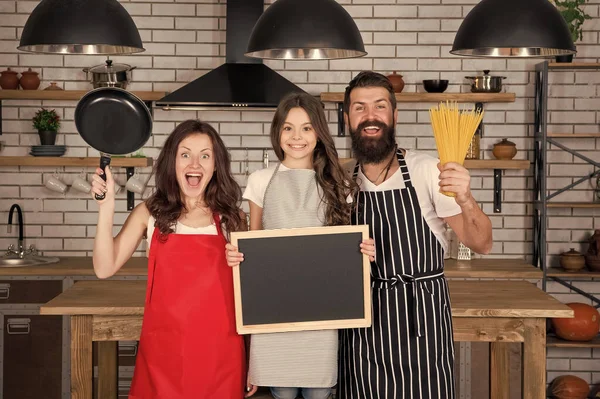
[365, 268]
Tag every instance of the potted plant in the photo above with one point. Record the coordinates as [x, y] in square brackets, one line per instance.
[47, 123]
[574, 16]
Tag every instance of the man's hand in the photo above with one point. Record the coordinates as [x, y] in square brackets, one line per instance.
[455, 178]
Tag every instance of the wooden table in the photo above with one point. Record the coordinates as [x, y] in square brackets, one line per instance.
[138, 267]
[493, 311]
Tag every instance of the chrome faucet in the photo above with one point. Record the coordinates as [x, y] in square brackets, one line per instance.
[20, 252]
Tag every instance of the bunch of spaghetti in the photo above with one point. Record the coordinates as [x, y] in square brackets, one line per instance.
[453, 130]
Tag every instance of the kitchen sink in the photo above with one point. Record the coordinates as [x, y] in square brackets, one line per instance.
[27, 261]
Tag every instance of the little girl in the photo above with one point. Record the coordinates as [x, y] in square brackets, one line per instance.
[308, 188]
[189, 347]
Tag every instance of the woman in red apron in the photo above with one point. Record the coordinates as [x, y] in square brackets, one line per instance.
[189, 348]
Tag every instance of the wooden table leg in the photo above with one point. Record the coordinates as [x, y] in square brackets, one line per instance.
[81, 357]
[534, 359]
[107, 369]
[499, 370]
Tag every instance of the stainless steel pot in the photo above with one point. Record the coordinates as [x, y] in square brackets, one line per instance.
[486, 83]
[110, 75]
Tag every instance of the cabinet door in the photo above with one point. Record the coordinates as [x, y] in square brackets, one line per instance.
[32, 356]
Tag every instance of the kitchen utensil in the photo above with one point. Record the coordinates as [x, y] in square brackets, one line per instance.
[572, 261]
[48, 150]
[110, 75]
[474, 147]
[113, 121]
[397, 82]
[247, 162]
[265, 158]
[435, 85]
[504, 149]
[486, 83]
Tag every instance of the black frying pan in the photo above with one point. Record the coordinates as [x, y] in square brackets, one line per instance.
[113, 121]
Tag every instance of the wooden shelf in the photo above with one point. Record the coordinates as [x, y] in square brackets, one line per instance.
[436, 97]
[485, 163]
[555, 342]
[573, 205]
[574, 65]
[573, 135]
[497, 164]
[559, 272]
[67, 95]
[124, 162]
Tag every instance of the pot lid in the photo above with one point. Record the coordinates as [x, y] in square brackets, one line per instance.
[572, 252]
[8, 70]
[486, 74]
[505, 142]
[110, 68]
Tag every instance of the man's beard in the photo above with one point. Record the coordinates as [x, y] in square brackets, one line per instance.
[373, 149]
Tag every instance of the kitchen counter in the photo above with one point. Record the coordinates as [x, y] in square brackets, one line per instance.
[138, 266]
[76, 266]
[498, 312]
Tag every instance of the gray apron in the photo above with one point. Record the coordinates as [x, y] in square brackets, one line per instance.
[301, 359]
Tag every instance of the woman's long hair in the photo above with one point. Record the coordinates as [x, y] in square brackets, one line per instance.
[333, 181]
[222, 193]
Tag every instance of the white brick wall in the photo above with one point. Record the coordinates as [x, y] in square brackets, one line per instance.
[185, 39]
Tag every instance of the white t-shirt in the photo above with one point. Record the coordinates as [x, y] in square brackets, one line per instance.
[258, 182]
[424, 176]
[181, 228]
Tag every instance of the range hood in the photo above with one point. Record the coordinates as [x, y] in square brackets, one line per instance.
[241, 81]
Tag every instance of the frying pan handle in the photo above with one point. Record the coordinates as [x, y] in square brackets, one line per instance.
[104, 162]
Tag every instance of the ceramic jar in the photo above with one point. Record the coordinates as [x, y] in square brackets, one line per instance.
[53, 86]
[572, 261]
[29, 80]
[505, 149]
[397, 82]
[9, 80]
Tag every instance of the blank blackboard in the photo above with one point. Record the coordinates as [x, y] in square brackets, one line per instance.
[302, 279]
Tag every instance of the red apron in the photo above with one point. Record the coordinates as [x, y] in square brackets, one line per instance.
[189, 348]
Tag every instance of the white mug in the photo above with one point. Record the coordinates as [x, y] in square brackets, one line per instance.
[117, 188]
[81, 184]
[135, 185]
[53, 183]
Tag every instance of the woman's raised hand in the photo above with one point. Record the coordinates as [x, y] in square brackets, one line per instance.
[99, 186]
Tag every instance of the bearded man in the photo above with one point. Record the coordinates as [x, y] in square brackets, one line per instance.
[408, 351]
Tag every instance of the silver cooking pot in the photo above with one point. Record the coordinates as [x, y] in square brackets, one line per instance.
[110, 75]
[486, 83]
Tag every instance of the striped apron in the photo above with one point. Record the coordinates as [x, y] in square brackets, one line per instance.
[408, 352]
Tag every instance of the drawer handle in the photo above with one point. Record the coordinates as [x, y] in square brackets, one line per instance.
[129, 350]
[18, 326]
[4, 291]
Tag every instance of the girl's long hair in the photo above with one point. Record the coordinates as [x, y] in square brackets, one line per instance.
[222, 193]
[333, 181]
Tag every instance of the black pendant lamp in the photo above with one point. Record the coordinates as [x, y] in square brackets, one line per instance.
[80, 27]
[306, 30]
[513, 28]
